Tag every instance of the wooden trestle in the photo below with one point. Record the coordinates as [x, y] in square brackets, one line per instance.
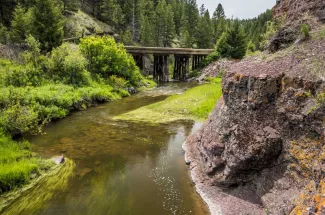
[181, 67]
[160, 68]
[161, 55]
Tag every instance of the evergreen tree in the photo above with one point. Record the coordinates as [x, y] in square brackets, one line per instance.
[178, 7]
[205, 35]
[190, 23]
[169, 31]
[19, 24]
[147, 33]
[147, 25]
[202, 10]
[133, 11]
[219, 21]
[48, 23]
[112, 12]
[233, 43]
[6, 11]
[72, 5]
[164, 25]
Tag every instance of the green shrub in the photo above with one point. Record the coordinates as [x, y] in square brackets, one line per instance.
[251, 47]
[305, 31]
[214, 56]
[118, 82]
[22, 76]
[107, 58]
[194, 73]
[271, 29]
[75, 72]
[32, 55]
[17, 119]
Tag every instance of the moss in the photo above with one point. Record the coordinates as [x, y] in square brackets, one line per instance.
[194, 104]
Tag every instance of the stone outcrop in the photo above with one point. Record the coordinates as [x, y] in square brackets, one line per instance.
[242, 159]
[294, 9]
[292, 14]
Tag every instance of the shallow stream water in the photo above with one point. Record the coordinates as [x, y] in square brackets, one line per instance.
[122, 168]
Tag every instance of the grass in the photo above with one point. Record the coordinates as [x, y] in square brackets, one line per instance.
[194, 104]
[37, 193]
[16, 164]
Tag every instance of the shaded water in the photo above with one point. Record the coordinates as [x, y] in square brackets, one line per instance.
[121, 167]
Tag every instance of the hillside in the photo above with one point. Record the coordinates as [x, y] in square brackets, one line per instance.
[80, 23]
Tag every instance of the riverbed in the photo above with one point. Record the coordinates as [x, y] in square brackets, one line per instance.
[121, 167]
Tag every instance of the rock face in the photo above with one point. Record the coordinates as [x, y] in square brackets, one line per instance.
[292, 14]
[293, 9]
[240, 158]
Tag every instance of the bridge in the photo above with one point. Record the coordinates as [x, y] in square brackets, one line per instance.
[161, 58]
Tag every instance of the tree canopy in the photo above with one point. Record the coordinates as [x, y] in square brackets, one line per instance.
[165, 23]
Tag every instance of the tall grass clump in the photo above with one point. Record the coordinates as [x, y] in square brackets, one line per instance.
[16, 163]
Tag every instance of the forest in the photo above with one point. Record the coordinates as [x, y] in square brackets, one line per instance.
[171, 23]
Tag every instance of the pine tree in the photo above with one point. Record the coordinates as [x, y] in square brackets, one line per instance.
[169, 31]
[219, 23]
[147, 33]
[233, 43]
[178, 7]
[19, 24]
[72, 5]
[6, 10]
[205, 35]
[48, 23]
[164, 25]
[112, 12]
[190, 22]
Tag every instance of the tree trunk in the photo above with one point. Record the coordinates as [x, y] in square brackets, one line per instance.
[2, 18]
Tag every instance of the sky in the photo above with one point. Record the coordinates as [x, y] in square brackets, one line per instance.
[239, 8]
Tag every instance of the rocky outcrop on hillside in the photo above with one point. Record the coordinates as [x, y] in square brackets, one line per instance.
[215, 69]
[293, 9]
[263, 142]
[292, 14]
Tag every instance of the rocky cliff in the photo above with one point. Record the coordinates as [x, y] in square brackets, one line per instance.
[294, 9]
[291, 15]
[263, 143]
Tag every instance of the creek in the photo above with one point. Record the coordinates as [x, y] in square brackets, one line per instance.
[121, 168]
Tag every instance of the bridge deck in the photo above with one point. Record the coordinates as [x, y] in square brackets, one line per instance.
[166, 51]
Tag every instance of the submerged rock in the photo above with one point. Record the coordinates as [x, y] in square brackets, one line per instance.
[59, 159]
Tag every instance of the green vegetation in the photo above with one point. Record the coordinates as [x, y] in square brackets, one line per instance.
[171, 23]
[40, 190]
[40, 88]
[232, 43]
[305, 31]
[194, 104]
[51, 78]
[17, 164]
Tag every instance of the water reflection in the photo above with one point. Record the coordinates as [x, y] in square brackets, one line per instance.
[121, 168]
